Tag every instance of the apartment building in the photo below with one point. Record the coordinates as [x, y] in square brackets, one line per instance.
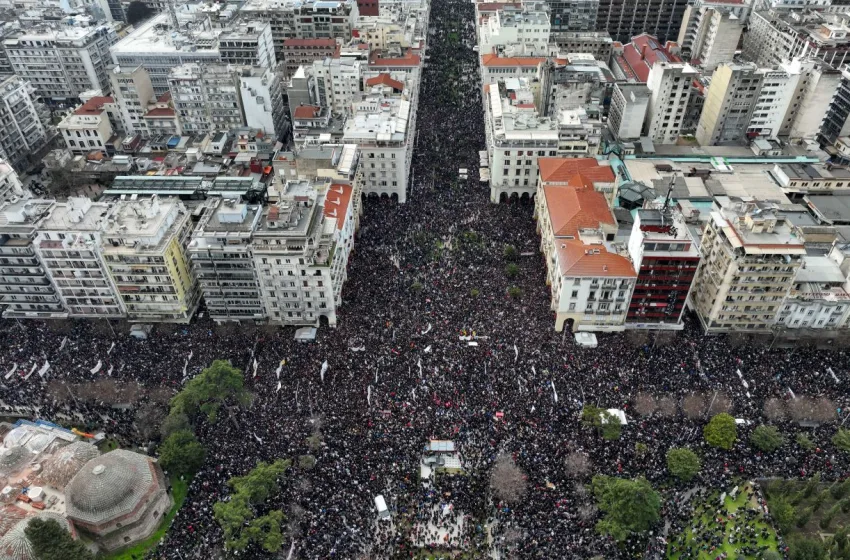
[295, 249]
[303, 52]
[88, 128]
[729, 104]
[62, 64]
[22, 134]
[711, 32]
[818, 298]
[779, 98]
[666, 258]
[627, 111]
[836, 120]
[590, 281]
[206, 98]
[596, 43]
[623, 20]
[383, 125]
[335, 83]
[574, 81]
[248, 43]
[161, 118]
[817, 87]
[132, 92]
[11, 187]
[670, 89]
[261, 93]
[632, 61]
[750, 261]
[144, 248]
[570, 16]
[221, 253]
[494, 67]
[26, 290]
[776, 36]
[68, 243]
[510, 26]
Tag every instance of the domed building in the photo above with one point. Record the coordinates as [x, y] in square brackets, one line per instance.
[58, 469]
[15, 545]
[118, 498]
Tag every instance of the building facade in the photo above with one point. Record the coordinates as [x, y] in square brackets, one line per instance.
[23, 134]
[670, 87]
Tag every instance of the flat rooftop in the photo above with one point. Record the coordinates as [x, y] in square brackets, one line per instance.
[830, 209]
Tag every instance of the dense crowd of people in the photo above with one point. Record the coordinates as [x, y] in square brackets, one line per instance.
[425, 277]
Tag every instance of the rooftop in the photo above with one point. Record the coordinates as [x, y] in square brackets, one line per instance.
[575, 171]
[337, 201]
[94, 106]
[830, 209]
[578, 259]
[494, 60]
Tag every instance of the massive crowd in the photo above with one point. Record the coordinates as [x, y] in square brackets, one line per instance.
[422, 276]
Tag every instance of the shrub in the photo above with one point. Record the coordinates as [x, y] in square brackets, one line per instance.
[683, 463]
[306, 462]
[803, 517]
[804, 441]
[511, 270]
[510, 252]
[841, 440]
[721, 431]
[515, 292]
[474, 292]
[416, 286]
[767, 438]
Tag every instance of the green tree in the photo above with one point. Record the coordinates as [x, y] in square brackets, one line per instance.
[181, 453]
[602, 420]
[771, 555]
[50, 541]
[138, 12]
[175, 422]
[629, 506]
[804, 548]
[721, 431]
[416, 287]
[511, 270]
[206, 393]
[474, 292]
[510, 252]
[683, 463]
[839, 545]
[783, 513]
[515, 292]
[611, 426]
[261, 482]
[306, 462]
[767, 438]
[804, 441]
[841, 439]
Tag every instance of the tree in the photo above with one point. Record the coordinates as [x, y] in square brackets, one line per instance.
[182, 454]
[629, 506]
[510, 252]
[175, 422]
[839, 545]
[306, 462]
[683, 463]
[599, 418]
[148, 418]
[260, 482]
[841, 440]
[507, 480]
[804, 548]
[474, 292]
[208, 392]
[511, 270]
[138, 12]
[578, 464]
[767, 438]
[804, 441]
[50, 541]
[416, 287]
[721, 431]
[783, 513]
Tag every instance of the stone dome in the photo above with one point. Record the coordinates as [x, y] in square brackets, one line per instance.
[108, 486]
[60, 468]
[13, 458]
[16, 546]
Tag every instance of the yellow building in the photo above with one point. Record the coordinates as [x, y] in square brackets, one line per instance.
[144, 247]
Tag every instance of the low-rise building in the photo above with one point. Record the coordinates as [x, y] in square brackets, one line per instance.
[818, 299]
[88, 128]
[797, 179]
[590, 281]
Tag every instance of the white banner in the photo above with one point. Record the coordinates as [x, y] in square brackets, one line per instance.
[111, 348]
[27, 376]
[44, 369]
[12, 371]
[324, 369]
[97, 368]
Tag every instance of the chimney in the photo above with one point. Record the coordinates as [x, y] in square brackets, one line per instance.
[643, 52]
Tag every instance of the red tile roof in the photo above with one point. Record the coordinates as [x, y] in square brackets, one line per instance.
[577, 259]
[307, 112]
[93, 106]
[641, 54]
[164, 98]
[575, 208]
[329, 43]
[409, 59]
[565, 170]
[337, 203]
[160, 112]
[385, 80]
[496, 60]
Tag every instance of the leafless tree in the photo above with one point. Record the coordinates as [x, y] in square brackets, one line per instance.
[507, 480]
[801, 409]
[719, 403]
[160, 394]
[578, 464]
[148, 418]
[694, 405]
[645, 403]
[775, 409]
[664, 338]
[666, 407]
[637, 338]
[581, 491]
[587, 511]
[824, 410]
[736, 340]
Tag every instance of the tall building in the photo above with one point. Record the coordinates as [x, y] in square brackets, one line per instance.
[627, 111]
[68, 243]
[573, 15]
[666, 259]
[63, 64]
[206, 98]
[132, 91]
[624, 20]
[818, 85]
[836, 121]
[729, 104]
[144, 248]
[221, 253]
[26, 290]
[335, 83]
[711, 31]
[302, 52]
[23, 134]
[261, 92]
[590, 282]
[750, 260]
[670, 87]
[776, 36]
[248, 43]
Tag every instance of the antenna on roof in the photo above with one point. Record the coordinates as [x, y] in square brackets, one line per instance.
[669, 193]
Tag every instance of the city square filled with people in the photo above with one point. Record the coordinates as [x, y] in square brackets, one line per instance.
[427, 278]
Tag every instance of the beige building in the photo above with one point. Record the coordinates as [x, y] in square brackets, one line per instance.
[750, 260]
[88, 128]
[729, 104]
[133, 92]
[144, 247]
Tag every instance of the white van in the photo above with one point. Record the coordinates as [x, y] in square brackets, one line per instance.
[381, 506]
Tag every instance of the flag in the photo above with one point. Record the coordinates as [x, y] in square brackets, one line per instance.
[96, 368]
[554, 392]
[516, 353]
[324, 369]
[44, 369]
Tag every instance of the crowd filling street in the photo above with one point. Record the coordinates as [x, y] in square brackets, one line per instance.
[426, 278]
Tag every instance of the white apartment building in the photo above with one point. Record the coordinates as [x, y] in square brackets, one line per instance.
[711, 30]
[68, 243]
[261, 92]
[206, 98]
[817, 87]
[132, 92]
[495, 67]
[779, 94]
[87, 129]
[775, 36]
[62, 64]
[248, 43]
[818, 298]
[221, 253]
[510, 26]
[335, 83]
[26, 290]
[591, 283]
[751, 257]
[144, 248]
[11, 187]
[22, 134]
[295, 250]
[627, 113]
[383, 125]
[670, 87]
[729, 104]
